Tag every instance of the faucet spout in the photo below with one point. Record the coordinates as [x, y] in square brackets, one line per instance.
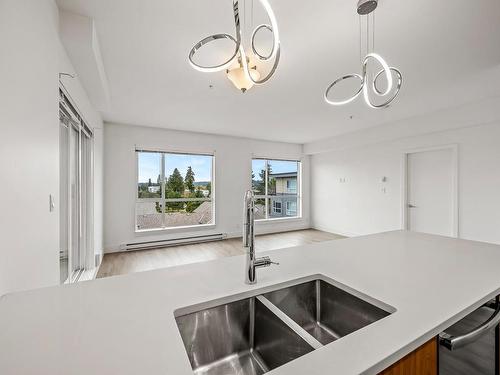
[252, 263]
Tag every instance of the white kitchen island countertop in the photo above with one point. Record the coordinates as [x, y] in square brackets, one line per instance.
[125, 324]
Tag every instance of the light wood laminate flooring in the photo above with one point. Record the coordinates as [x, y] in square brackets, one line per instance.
[144, 260]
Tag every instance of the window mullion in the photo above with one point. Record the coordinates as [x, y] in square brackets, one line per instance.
[298, 208]
[266, 177]
[162, 186]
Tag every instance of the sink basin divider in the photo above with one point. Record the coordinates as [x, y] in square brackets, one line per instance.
[306, 336]
[251, 337]
[318, 301]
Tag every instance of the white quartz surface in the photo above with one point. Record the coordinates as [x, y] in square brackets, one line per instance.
[125, 324]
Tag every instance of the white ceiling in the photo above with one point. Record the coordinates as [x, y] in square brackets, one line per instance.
[448, 51]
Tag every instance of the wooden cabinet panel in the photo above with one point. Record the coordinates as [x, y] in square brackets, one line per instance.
[422, 361]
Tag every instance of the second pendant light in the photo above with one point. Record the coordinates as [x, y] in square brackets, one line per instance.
[367, 84]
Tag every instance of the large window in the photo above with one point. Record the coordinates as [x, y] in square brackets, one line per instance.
[173, 190]
[276, 184]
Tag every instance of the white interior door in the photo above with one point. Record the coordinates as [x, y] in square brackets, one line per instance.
[431, 192]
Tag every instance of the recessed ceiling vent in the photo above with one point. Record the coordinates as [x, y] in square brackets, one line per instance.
[366, 6]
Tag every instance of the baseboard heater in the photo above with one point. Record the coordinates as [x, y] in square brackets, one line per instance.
[150, 245]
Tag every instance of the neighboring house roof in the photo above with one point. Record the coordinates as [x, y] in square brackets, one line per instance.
[283, 175]
[146, 219]
[146, 208]
[204, 208]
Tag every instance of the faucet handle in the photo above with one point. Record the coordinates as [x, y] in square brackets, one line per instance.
[264, 262]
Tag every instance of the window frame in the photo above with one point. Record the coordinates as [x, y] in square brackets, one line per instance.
[267, 197]
[163, 200]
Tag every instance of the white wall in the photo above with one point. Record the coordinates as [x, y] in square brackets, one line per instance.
[359, 206]
[32, 58]
[475, 113]
[233, 177]
[29, 144]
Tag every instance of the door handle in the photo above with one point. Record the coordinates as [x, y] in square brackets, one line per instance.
[411, 206]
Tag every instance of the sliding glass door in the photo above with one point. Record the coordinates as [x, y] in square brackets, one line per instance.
[64, 131]
[76, 251]
[74, 204]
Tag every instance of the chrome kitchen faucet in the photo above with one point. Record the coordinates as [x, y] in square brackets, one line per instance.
[252, 263]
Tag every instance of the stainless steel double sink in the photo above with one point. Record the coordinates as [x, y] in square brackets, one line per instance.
[251, 335]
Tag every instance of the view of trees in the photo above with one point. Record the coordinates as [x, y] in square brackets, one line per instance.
[189, 180]
[176, 187]
[259, 186]
[149, 189]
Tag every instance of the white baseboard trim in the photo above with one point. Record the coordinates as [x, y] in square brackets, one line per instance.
[112, 249]
[270, 230]
[291, 228]
[234, 234]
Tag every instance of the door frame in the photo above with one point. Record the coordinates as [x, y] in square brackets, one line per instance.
[85, 177]
[404, 184]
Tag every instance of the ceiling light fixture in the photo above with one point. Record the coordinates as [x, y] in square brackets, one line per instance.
[243, 76]
[367, 8]
[239, 77]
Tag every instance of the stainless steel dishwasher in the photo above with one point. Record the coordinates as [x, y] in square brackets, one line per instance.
[470, 347]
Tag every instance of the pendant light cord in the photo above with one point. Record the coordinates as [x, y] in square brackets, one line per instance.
[360, 47]
[245, 30]
[251, 17]
[245, 25]
[367, 34]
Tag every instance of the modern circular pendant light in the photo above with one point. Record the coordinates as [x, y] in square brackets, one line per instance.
[368, 85]
[244, 71]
